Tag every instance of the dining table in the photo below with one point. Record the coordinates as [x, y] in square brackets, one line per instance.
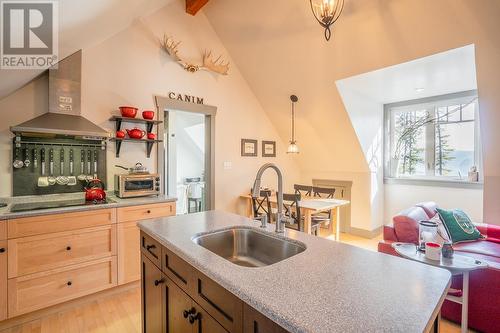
[310, 205]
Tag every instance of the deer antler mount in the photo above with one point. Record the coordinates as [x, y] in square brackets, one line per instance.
[217, 65]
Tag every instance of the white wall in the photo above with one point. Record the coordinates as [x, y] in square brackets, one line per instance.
[399, 197]
[129, 69]
[190, 158]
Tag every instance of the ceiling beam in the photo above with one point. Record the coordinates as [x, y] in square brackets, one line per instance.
[193, 6]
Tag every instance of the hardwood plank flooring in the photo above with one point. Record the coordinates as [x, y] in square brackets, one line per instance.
[121, 312]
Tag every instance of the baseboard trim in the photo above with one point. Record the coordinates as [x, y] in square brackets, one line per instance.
[38, 314]
[366, 233]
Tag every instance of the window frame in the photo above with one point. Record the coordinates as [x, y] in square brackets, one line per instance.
[431, 179]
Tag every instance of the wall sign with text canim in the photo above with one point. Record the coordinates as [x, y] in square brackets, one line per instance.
[185, 98]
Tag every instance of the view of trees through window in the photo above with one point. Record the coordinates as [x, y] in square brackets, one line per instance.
[435, 139]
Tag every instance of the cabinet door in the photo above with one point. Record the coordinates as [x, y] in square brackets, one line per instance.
[3, 280]
[176, 303]
[129, 252]
[152, 285]
[256, 322]
[206, 324]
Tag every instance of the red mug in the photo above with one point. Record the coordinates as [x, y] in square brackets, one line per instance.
[151, 136]
[120, 134]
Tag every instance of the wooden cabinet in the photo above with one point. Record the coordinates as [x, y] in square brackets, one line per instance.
[226, 308]
[144, 212]
[167, 308]
[35, 291]
[129, 249]
[3, 280]
[129, 252]
[49, 251]
[45, 224]
[151, 297]
[256, 322]
[177, 298]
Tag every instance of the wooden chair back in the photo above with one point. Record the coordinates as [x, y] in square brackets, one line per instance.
[303, 190]
[291, 209]
[323, 192]
[262, 205]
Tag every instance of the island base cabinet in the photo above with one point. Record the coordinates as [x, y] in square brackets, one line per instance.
[167, 308]
[3, 279]
[151, 297]
[256, 322]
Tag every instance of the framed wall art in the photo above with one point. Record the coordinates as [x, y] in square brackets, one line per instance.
[248, 147]
[268, 148]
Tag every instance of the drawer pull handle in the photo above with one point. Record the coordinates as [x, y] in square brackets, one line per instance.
[69, 283]
[148, 211]
[2, 250]
[194, 317]
[157, 282]
[149, 247]
[68, 248]
[187, 313]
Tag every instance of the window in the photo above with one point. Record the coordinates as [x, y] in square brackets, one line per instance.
[435, 138]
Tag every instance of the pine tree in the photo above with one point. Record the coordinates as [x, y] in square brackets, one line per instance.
[443, 150]
[408, 132]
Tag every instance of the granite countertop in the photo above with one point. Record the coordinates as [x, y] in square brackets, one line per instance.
[5, 212]
[330, 287]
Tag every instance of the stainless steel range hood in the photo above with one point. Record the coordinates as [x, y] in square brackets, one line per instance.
[64, 116]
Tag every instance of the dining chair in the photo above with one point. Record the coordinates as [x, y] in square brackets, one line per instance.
[303, 190]
[326, 193]
[262, 205]
[292, 210]
[323, 192]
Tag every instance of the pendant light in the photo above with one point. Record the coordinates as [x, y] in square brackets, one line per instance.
[327, 12]
[293, 148]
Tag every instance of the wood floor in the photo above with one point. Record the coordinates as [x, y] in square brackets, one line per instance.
[121, 313]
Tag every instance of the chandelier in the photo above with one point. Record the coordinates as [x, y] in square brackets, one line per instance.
[327, 12]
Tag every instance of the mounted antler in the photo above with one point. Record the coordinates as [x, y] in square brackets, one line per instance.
[170, 46]
[217, 65]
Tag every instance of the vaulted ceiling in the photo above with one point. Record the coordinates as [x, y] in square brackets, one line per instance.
[83, 23]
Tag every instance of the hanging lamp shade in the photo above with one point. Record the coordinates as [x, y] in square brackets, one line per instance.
[292, 147]
[327, 12]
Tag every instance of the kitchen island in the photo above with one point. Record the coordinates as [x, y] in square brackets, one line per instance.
[329, 287]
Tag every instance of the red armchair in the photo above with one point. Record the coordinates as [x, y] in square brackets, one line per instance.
[484, 285]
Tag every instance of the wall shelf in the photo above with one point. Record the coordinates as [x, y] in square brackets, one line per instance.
[149, 144]
[149, 129]
[149, 123]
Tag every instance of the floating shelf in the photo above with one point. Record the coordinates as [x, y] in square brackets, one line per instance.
[149, 123]
[149, 144]
[149, 129]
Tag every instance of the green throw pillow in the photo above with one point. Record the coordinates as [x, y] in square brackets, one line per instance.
[459, 226]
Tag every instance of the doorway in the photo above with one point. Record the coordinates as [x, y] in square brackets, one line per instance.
[186, 157]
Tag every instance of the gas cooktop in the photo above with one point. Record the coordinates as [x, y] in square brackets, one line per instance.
[22, 207]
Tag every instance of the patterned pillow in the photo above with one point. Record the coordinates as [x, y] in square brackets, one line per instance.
[459, 226]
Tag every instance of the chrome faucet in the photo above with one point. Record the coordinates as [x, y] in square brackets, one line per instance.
[280, 218]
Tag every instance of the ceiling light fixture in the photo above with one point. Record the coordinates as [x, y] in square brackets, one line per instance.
[327, 12]
[293, 148]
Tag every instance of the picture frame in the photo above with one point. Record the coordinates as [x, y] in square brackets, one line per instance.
[249, 147]
[268, 148]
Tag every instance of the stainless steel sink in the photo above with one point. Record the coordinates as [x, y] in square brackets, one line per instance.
[249, 247]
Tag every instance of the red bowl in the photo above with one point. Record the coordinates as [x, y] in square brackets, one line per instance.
[148, 114]
[128, 111]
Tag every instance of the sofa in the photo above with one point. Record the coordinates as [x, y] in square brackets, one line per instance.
[484, 285]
